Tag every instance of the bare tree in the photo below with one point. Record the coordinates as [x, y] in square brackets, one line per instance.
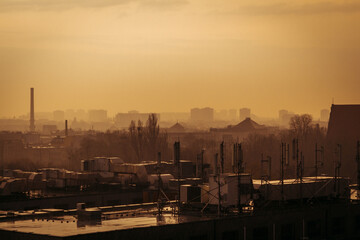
[152, 136]
[301, 125]
[137, 139]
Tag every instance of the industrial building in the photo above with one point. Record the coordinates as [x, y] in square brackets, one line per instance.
[344, 122]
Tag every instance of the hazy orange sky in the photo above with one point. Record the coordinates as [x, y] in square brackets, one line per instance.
[172, 55]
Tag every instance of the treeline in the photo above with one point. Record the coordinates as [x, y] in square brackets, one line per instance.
[299, 142]
[142, 142]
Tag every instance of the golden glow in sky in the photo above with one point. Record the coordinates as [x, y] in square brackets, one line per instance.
[172, 55]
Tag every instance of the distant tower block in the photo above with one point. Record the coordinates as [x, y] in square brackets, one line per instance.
[244, 113]
[32, 114]
[324, 115]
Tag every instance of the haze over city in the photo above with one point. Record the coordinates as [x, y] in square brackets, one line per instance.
[173, 55]
[179, 119]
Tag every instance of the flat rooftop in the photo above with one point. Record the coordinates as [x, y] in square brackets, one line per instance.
[305, 180]
[66, 226]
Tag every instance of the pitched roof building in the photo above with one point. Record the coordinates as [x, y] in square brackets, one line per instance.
[176, 128]
[344, 122]
[248, 125]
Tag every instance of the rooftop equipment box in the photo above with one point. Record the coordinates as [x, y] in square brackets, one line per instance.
[229, 189]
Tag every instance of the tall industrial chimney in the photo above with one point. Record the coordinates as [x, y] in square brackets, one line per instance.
[32, 114]
[66, 128]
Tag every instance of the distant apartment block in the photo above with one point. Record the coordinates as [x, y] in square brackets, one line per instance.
[202, 114]
[97, 115]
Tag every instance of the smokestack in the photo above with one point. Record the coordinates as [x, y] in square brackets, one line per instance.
[66, 128]
[32, 114]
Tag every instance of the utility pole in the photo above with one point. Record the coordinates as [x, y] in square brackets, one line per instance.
[159, 202]
[178, 169]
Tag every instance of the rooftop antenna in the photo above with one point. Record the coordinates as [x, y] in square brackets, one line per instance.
[295, 155]
[222, 156]
[159, 183]
[234, 158]
[301, 174]
[240, 158]
[200, 164]
[239, 155]
[178, 169]
[265, 173]
[284, 151]
[159, 202]
[337, 168]
[217, 176]
[162, 197]
[321, 151]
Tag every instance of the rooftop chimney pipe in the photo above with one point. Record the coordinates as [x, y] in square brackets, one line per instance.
[66, 128]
